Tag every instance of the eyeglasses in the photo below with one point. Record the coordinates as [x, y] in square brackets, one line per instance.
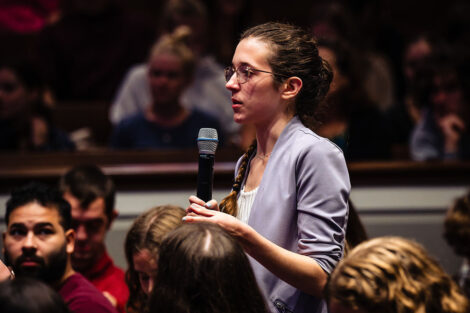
[244, 73]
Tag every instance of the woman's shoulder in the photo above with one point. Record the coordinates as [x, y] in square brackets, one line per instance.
[300, 139]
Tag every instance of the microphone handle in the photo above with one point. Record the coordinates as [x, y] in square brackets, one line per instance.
[204, 177]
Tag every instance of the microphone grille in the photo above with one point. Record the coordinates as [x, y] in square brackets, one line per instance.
[207, 140]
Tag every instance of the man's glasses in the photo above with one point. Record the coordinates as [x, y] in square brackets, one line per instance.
[243, 72]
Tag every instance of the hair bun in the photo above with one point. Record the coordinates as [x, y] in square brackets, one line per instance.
[181, 34]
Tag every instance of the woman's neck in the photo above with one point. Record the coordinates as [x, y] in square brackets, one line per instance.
[268, 133]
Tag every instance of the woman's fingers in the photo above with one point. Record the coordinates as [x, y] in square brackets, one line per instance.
[194, 199]
[199, 210]
[212, 205]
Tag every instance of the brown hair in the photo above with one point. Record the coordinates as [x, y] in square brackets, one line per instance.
[203, 269]
[394, 275]
[176, 44]
[457, 226]
[147, 232]
[293, 53]
[88, 183]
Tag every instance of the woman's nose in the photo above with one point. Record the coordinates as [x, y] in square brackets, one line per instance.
[232, 82]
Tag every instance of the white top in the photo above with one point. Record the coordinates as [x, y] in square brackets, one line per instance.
[245, 202]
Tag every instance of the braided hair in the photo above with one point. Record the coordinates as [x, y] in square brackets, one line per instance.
[229, 203]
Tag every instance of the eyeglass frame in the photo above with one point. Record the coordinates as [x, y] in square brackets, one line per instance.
[235, 71]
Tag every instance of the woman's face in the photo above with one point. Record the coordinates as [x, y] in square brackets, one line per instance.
[167, 79]
[14, 97]
[145, 266]
[257, 100]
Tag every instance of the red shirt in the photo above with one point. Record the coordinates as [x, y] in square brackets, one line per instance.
[105, 276]
[82, 297]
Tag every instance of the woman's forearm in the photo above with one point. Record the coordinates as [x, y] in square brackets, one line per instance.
[298, 270]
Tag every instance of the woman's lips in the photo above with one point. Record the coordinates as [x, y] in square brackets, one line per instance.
[236, 104]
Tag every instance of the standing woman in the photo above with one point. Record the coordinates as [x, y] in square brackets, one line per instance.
[289, 203]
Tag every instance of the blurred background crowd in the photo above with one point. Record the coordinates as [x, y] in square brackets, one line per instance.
[77, 75]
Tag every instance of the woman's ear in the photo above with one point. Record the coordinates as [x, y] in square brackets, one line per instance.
[291, 88]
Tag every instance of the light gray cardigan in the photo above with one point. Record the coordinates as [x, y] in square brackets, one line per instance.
[302, 206]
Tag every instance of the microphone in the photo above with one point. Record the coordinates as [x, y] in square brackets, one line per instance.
[207, 141]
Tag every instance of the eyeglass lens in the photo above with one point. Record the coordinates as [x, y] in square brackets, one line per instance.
[241, 72]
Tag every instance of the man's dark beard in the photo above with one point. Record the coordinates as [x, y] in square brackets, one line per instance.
[49, 273]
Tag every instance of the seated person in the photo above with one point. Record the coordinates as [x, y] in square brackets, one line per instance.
[442, 132]
[27, 295]
[39, 242]
[166, 124]
[392, 275]
[91, 195]
[202, 269]
[349, 118]
[141, 247]
[205, 91]
[457, 235]
[25, 120]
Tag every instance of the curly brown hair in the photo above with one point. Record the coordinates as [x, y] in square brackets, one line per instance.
[394, 275]
[457, 226]
[147, 232]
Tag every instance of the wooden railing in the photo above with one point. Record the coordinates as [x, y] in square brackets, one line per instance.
[166, 170]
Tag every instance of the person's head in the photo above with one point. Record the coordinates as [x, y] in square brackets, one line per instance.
[297, 76]
[141, 247]
[457, 226]
[20, 88]
[190, 13]
[392, 275]
[416, 55]
[38, 240]
[332, 20]
[91, 195]
[27, 295]
[447, 95]
[170, 70]
[201, 268]
[276, 73]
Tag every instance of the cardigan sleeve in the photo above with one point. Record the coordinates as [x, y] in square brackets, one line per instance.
[322, 202]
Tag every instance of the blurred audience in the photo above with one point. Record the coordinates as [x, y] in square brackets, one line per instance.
[404, 115]
[25, 119]
[442, 132]
[39, 242]
[166, 124]
[87, 52]
[202, 269]
[27, 16]
[91, 195]
[141, 246]
[334, 21]
[392, 275]
[205, 91]
[229, 18]
[27, 295]
[348, 117]
[457, 235]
